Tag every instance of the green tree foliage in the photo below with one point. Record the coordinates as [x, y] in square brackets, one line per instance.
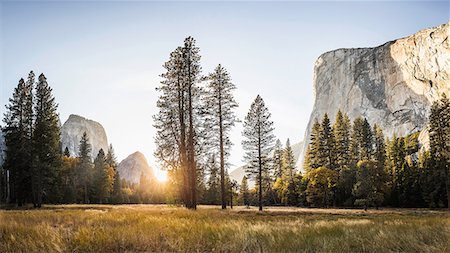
[370, 186]
[341, 131]
[321, 183]
[440, 146]
[84, 169]
[103, 178]
[312, 159]
[213, 183]
[244, 192]
[46, 145]
[326, 148]
[258, 142]
[18, 132]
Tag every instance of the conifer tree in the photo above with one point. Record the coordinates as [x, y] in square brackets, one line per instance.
[277, 159]
[178, 137]
[46, 143]
[103, 178]
[18, 139]
[326, 147]
[440, 140]
[220, 103]
[312, 160]
[245, 194]
[379, 147]
[341, 131]
[213, 184]
[258, 142]
[84, 168]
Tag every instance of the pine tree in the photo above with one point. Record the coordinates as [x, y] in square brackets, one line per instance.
[258, 141]
[84, 168]
[103, 178]
[18, 139]
[326, 147]
[380, 147]
[370, 184]
[312, 160]
[221, 105]
[46, 143]
[440, 140]
[361, 144]
[341, 131]
[245, 194]
[213, 184]
[277, 159]
[178, 121]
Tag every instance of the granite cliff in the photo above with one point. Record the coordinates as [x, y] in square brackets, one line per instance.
[392, 85]
[73, 129]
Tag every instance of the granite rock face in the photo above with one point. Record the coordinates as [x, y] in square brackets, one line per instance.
[392, 85]
[73, 129]
[132, 167]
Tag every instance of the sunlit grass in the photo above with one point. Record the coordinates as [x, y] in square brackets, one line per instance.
[78, 228]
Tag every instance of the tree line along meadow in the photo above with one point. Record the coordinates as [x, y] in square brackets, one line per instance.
[347, 164]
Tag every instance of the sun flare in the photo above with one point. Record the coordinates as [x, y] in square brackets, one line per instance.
[161, 175]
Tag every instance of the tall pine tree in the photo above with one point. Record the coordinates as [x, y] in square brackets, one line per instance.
[258, 142]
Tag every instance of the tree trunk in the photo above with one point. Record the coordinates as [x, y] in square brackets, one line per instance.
[191, 148]
[222, 158]
[260, 169]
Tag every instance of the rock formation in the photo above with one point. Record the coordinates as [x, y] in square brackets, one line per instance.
[73, 129]
[132, 167]
[392, 85]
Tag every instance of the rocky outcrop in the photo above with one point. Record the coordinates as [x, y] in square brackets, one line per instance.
[132, 167]
[392, 85]
[73, 129]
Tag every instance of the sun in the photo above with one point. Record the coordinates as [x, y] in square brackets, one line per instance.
[161, 175]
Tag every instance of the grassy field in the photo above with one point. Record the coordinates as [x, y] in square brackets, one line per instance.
[129, 228]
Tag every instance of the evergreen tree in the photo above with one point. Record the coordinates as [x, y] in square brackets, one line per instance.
[341, 131]
[213, 184]
[380, 147]
[312, 160]
[221, 105]
[277, 159]
[178, 137]
[326, 147]
[440, 141]
[258, 141]
[46, 144]
[84, 168]
[18, 139]
[103, 178]
[245, 194]
[370, 184]
[361, 144]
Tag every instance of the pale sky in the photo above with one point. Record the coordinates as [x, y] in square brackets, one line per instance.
[103, 59]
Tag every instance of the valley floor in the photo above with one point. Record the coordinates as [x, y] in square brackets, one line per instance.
[106, 228]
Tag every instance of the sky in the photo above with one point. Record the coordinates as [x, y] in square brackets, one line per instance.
[103, 59]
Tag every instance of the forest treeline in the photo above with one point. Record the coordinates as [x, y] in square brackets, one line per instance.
[347, 163]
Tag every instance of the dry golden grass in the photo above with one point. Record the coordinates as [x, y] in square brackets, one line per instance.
[130, 228]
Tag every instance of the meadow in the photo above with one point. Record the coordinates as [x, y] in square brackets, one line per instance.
[161, 228]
